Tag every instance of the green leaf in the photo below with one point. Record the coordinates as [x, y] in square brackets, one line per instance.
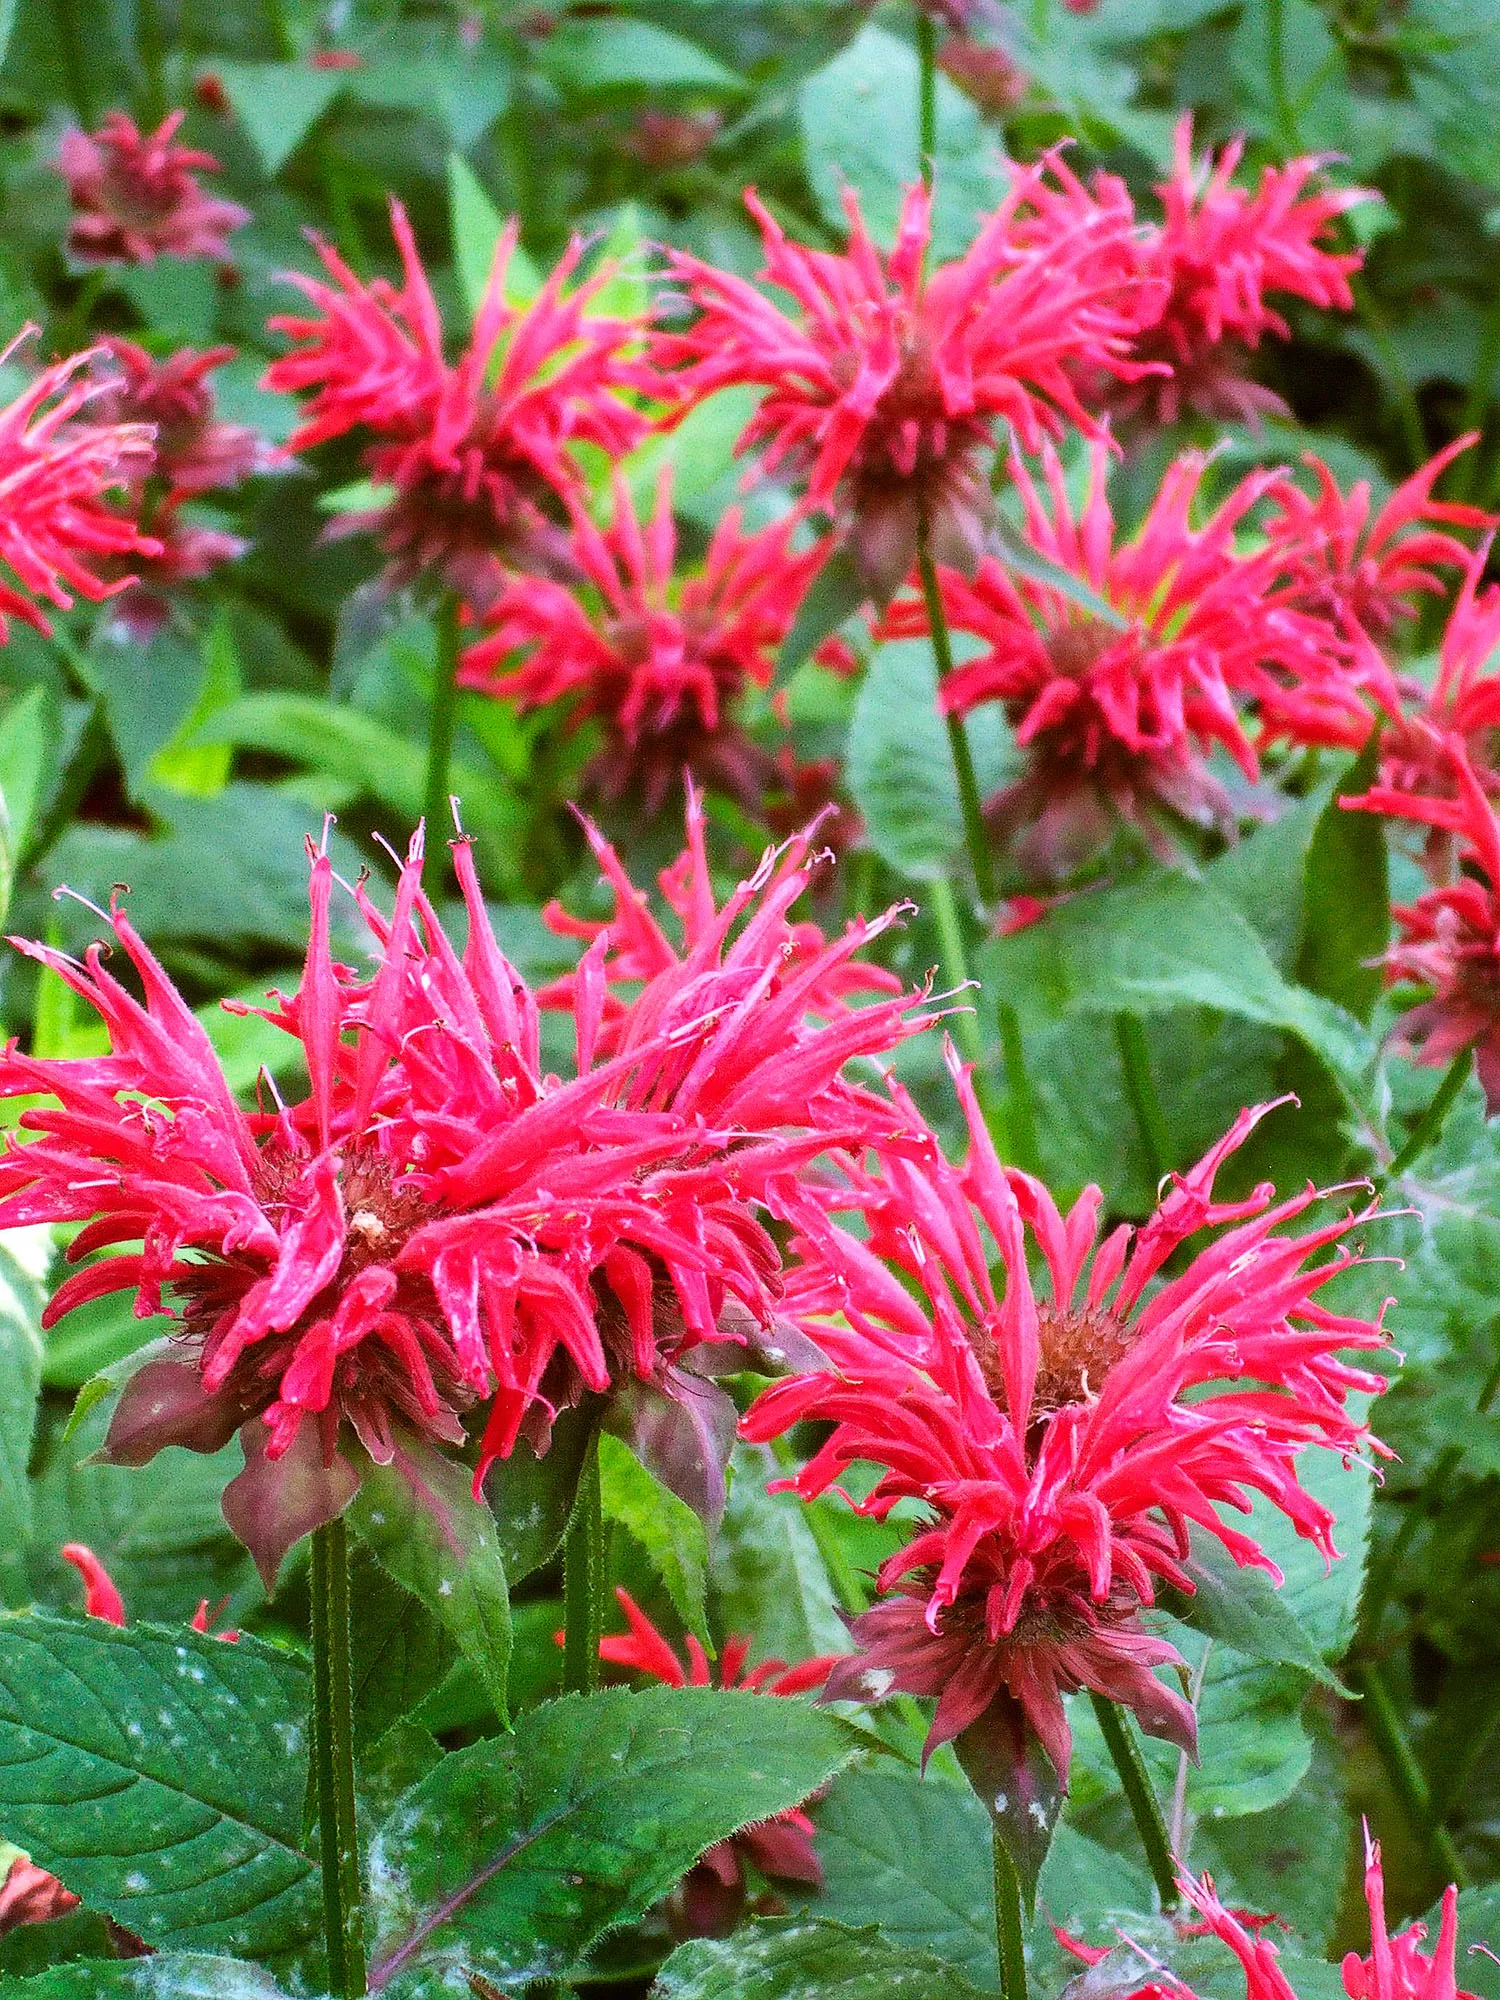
[532, 1498]
[859, 127]
[29, 732]
[278, 104]
[808, 1961]
[767, 1575]
[1347, 902]
[172, 1975]
[420, 1519]
[913, 1855]
[1018, 555]
[1478, 1923]
[160, 1775]
[183, 764]
[400, 1649]
[668, 1531]
[1165, 941]
[837, 592]
[1454, 76]
[612, 53]
[474, 223]
[1244, 1608]
[146, 710]
[899, 763]
[25, 1257]
[579, 1823]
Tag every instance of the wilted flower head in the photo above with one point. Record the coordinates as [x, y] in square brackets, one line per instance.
[195, 449]
[711, 1897]
[658, 657]
[1116, 714]
[438, 1219]
[662, 139]
[55, 469]
[984, 72]
[1065, 1438]
[1449, 938]
[885, 387]
[1220, 253]
[479, 451]
[136, 195]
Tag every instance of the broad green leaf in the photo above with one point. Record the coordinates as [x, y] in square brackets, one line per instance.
[1244, 1608]
[1455, 78]
[767, 1575]
[804, 1960]
[668, 1531]
[474, 224]
[614, 53]
[145, 710]
[899, 762]
[837, 593]
[532, 1498]
[911, 1854]
[278, 104]
[169, 1975]
[706, 473]
[420, 1519]
[400, 1649]
[25, 1257]
[160, 1775]
[1347, 913]
[183, 764]
[29, 732]
[626, 293]
[1478, 1924]
[580, 1822]
[1163, 941]
[1292, 1859]
[859, 128]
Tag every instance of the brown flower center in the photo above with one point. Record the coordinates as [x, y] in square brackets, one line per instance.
[1077, 1351]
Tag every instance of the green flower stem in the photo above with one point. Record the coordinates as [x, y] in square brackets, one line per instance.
[1141, 1796]
[583, 1581]
[927, 101]
[1408, 1780]
[1009, 1924]
[963, 762]
[333, 1754]
[443, 716]
[1140, 1086]
[1282, 114]
[1429, 1126]
[1020, 1103]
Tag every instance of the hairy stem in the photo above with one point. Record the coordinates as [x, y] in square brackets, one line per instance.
[583, 1581]
[963, 762]
[333, 1754]
[927, 100]
[1140, 1086]
[443, 714]
[1009, 1924]
[1429, 1126]
[1140, 1794]
[1408, 1780]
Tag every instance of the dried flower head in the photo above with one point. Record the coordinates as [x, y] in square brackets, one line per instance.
[479, 452]
[658, 657]
[883, 391]
[136, 195]
[1063, 1439]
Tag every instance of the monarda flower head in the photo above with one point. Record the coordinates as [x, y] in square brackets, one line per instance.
[883, 390]
[136, 195]
[56, 468]
[1448, 941]
[479, 452]
[1062, 1438]
[658, 658]
[710, 1900]
[195, 449]
[1115, 717]
[438, 1220]
[1462, 704]
[1218, 255]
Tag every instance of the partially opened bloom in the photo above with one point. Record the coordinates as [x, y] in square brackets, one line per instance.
[102, 1599]
[1219, 254]
[56, 468]
[1061, 1438]
[136, 195]
[1448, 941]
[1462, 703]
[884, 388]
[439, 1220]
[658, 657]
[479, 452]
[196, 450]
[711, 1897]
[1116, 716]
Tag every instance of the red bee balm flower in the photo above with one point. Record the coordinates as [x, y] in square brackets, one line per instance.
[1063, 1443]
[479, 451]
[439, 1219]
[54, 473]
[1218, 252]
[658, 659]
[102, 1600]
[1116, 718]
[1463, 702]
[884, 390]
[711, 1898]
[1449, 938]
[196, 451]
[136, 196]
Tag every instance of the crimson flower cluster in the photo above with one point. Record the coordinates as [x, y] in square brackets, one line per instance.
[439, 1221]
[136, 196]
[1065, 1441]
